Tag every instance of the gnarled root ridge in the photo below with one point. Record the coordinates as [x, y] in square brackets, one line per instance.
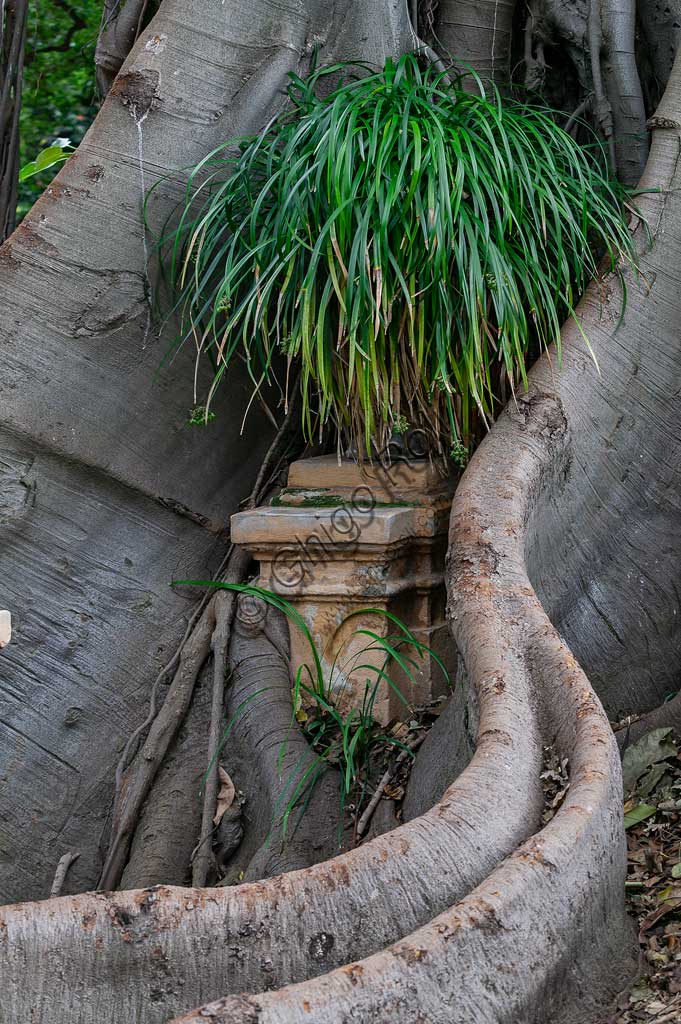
[471, 912]
[544, 936]
[153, 952]
[474, 911]
[574, 496]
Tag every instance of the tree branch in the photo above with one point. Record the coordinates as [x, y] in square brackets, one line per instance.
[121, 24]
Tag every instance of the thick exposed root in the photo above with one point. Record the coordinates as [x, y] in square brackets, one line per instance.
[297, 925]
[502, 953]
[269, 759]
[138, 778]
[622, 80]
[667, 715]
[170, 819]
[542, 936]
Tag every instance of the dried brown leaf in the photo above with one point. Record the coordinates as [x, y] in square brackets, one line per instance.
[226, 796]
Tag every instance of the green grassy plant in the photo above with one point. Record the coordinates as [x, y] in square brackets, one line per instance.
[406, 242]
[347, 739]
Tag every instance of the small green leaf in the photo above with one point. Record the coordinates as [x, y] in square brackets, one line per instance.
[638, 814]
[676, 871]
[48, 157]
[27, 170]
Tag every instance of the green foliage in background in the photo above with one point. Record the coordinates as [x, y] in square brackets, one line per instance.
[407, 243]
[59, 100]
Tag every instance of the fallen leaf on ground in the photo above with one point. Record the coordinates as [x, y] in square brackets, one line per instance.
[652, 748]
[638, 814]
[226, 796]
[653, 887]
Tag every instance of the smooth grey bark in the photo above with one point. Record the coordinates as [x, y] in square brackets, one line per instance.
[604, 550]
[477, 32]
[660, 25]
[562, 492]
[618, 19]
[106, 494]
[267, 756]
[80, 387]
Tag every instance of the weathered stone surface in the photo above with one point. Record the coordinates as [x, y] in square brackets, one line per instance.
[342, 538]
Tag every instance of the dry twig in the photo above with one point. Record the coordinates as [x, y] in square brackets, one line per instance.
[380, 788]
[62, 870]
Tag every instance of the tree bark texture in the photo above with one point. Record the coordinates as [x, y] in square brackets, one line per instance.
[471, 910]
[478, 33]
[267, 756]
[122, 22]
[106, 494]
[576, 491]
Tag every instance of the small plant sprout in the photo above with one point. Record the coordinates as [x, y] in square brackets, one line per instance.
[406, 243]
[459, 454]
[200, 416]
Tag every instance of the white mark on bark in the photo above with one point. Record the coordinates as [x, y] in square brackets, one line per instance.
[5, 628]
[156, 44]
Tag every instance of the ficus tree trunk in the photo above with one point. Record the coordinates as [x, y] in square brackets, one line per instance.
[562, 576]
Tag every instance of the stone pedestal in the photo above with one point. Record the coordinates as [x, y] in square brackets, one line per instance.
[342, 538]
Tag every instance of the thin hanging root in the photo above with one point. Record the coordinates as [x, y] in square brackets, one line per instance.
[224, 605]
[138, 778]
[602, 107]
[287, 432]
[62, 870]
[575, 116]
[133, 781]
[424, 50]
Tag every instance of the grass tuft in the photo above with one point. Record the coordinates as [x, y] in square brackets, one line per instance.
[407, 243]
